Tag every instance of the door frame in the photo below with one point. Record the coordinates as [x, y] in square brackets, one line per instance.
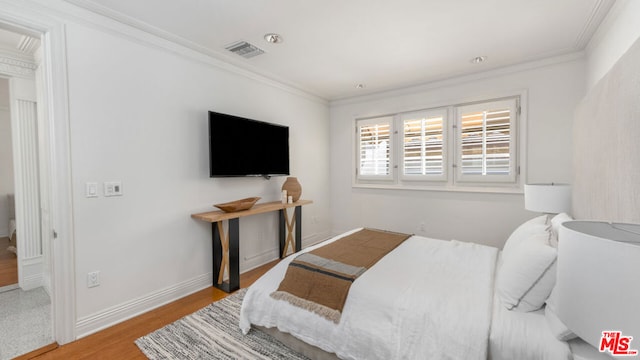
[29, 19]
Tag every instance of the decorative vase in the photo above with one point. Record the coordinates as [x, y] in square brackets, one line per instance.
[293, 188]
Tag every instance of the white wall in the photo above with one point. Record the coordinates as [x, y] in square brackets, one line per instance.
[606, 172]
[553, 91]
[616, 34]
[6, 157]
[138, 114]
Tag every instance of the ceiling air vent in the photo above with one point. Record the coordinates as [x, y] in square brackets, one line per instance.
[244, 49]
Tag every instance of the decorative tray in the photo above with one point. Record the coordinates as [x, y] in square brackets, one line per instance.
[238, 205]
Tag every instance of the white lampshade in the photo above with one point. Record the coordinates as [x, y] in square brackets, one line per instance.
[547, 198]
[598, 273]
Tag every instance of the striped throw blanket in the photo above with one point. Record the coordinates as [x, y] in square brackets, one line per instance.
[319, 280]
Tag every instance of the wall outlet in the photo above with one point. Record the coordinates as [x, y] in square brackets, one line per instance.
[93, 279]
[422, 227]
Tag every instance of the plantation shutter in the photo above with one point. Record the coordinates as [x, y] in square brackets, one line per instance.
[374, 141]
[486, 142]
[423, 148]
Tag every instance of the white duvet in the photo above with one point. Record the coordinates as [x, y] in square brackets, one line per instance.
[428, 299]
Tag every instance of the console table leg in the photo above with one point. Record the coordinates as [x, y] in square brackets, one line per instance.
[217, 252]
[287, 232]
[224, 242]
[226, 255]
[298, 220]
[234, 254]
[282, 232]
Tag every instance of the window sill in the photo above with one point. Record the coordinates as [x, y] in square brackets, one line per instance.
[515, 189]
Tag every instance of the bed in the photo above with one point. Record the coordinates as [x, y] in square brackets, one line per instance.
[428, 298]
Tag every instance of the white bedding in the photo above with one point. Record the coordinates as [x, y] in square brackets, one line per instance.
[523, 336]
[391, 312]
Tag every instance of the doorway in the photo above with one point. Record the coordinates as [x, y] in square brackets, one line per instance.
[8, 257]
[26, 304]
[56, 181]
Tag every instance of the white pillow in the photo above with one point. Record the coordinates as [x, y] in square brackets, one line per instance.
[556, 222]
[528, 274]
[557, 327]
[522, 232]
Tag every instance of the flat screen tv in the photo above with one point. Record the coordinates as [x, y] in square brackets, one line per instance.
[246, 147]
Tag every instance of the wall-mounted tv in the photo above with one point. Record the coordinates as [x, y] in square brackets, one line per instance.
[244, 147]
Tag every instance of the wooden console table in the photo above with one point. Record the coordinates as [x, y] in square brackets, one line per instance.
[226, 254]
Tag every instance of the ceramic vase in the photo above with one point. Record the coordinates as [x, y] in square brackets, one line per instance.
[293, 188]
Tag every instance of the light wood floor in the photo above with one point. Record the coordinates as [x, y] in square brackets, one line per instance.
[117, 342]
[8, 264]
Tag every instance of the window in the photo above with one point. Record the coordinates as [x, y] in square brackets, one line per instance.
[486, 142]
[482, 143]
[423, 147]
[374, 148]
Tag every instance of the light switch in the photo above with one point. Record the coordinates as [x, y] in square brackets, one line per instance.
[113, 188]
[91, 189]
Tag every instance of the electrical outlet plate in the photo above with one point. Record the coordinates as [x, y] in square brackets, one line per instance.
[113, 188]
[93, 279]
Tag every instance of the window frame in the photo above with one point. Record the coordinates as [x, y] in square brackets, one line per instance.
[428, 113]
[375, 121]
[460, 177]
[450, 183]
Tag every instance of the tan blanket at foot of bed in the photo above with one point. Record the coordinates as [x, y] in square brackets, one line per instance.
[319, 280]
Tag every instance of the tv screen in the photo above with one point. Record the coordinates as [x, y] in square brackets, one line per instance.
[245, 147]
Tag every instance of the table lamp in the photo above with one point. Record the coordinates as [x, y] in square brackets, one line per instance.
[547, 198]
[598, 279]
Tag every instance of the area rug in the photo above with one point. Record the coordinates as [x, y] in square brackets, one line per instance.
[213, 333]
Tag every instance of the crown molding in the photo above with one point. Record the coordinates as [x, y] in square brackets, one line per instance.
[221, 60]
[617, 9]
[530, 65]
[150, 35]
[12, 66]
[597, 16]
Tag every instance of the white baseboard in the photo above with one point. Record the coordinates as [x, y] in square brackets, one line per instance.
[31, 282]
[258, 260]
[30, 273]
[93, 323]
[316, 238]
[116, 314]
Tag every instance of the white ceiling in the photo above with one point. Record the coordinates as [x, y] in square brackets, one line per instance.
[332, 45]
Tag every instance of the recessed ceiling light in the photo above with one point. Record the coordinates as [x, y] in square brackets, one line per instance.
[273, 38]
[478, 59]
[360, 86]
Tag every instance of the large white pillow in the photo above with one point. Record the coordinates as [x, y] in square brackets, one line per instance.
[522, 232]
[557, 327]
[528, 273]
